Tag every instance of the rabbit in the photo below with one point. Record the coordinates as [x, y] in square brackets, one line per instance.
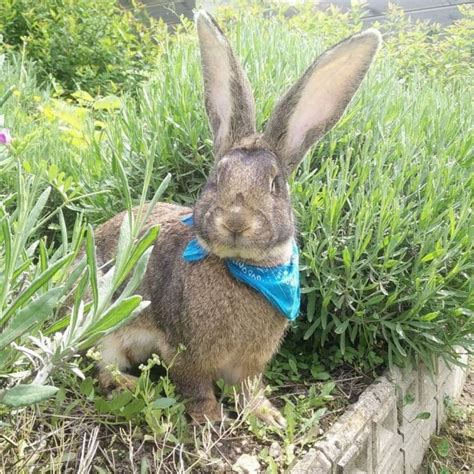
[229, 330]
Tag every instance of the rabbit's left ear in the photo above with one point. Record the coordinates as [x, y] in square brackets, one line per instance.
[229, 100]
[317, 101]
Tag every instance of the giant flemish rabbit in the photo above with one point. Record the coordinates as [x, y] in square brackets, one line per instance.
[222, 279]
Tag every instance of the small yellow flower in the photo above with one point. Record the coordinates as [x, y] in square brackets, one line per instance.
[93, 354]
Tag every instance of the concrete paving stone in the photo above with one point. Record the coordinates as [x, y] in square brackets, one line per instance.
[443, 371]
[350, 442]
[449, 389]
[411, 422]
[387, 441]
[408, 392]
[427, 384]
[381, 433]
[343, 433]
[416, 436]
[393, 464]
[314, 462]
[358, 457]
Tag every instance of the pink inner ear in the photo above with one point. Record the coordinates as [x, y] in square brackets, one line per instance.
[217, 71]
[319, 102]
[328, 90]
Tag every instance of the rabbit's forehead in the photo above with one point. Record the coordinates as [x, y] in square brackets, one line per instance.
[253, 166]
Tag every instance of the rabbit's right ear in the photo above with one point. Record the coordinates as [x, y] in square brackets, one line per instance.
[318, 99]
[229, 101]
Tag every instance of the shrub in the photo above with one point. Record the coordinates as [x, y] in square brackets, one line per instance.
[80, 44]
[383, 200]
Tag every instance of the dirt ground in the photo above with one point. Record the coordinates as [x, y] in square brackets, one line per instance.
[452, 450]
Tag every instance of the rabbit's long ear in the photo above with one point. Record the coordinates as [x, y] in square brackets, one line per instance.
[317, 101]
[228, 97]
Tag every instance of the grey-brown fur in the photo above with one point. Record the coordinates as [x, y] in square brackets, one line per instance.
[214, 46]
[244, 212]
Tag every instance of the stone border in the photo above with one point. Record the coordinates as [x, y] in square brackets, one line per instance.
[381, 432]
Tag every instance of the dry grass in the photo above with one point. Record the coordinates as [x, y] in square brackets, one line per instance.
[75, 438]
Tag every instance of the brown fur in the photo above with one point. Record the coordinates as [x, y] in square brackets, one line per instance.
[229, 330]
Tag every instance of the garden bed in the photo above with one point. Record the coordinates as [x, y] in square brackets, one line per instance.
[383, 204]
[73, 436]
[383, 426]
[389, 428]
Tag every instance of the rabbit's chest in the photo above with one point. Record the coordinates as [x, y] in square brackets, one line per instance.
[230, 318]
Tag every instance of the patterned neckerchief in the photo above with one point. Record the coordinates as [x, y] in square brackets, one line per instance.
[280, 284]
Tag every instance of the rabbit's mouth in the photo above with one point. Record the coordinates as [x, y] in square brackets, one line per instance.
[248, 250]
[232, 246]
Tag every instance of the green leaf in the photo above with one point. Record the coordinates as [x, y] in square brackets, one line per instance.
[110, 102]
[162, 403]
[310, 331]
[36, 284]
[92, 264]
[87, 388]
[430, 316]
[7, 242]
[138, 273]
[432, 255]
[293, 365]
[35, 313]
[145, 242]
[328, 388]
[116, 315]
[342, 327]
[24, 395]
[346, 257]
[120, 400]
[311, 306]
[133, 408]
[36, 211]
[424, 415]
[443, 447]
[83, 95]
[320, 375]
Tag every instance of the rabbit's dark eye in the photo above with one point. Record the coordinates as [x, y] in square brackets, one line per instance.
[275, 188]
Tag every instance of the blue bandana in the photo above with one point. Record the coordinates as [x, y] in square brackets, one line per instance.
[280, 285]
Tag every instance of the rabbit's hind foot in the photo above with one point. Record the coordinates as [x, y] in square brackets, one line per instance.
[252, 398]
[269, 414]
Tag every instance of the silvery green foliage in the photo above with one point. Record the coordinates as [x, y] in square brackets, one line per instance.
[36, 280]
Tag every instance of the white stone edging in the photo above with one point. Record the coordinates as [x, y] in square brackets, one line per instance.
[381, 433]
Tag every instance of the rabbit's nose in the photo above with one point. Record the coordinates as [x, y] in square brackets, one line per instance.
[236, 224]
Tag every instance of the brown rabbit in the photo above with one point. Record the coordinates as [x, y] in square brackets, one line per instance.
[231, 331]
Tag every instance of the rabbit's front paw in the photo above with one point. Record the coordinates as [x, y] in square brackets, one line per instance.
[205, 411]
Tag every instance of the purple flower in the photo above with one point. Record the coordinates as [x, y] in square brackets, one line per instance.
[5, 137]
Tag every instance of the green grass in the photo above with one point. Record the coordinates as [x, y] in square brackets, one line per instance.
[384, 209]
